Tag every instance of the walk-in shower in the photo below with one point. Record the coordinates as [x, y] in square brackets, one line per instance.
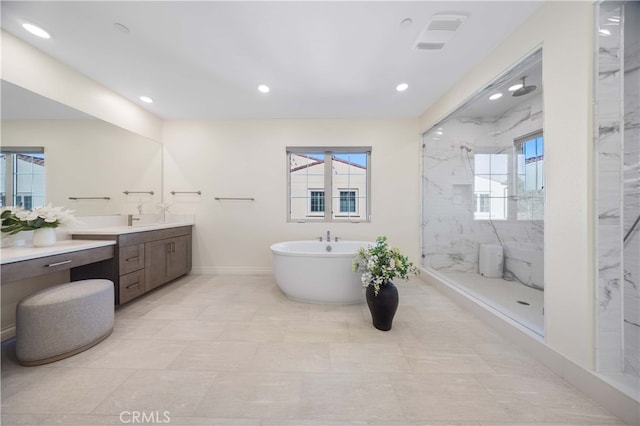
[617, 200]
[483, 196]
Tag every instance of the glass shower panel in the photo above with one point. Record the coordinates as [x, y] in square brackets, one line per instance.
[473, 176]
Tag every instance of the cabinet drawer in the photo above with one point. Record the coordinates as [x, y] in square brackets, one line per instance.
[131, 286]
[131, 258]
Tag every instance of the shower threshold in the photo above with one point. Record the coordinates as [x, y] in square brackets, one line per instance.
[522, 304]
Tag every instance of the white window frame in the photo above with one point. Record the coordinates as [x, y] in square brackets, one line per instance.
[363, 201]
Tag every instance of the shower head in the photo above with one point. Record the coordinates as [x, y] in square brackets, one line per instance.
[466, 148]
[524, 90]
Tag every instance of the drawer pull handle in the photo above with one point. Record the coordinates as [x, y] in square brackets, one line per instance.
[129, 259]
[136, 284]
[64, 262]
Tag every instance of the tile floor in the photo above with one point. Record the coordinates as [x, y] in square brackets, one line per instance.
[232, 350]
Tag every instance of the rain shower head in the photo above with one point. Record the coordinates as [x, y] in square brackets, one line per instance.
[524, 90]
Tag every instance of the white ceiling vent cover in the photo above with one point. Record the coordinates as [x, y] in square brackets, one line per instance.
[439, 30]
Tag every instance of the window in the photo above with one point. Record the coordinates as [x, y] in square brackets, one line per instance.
[491, 186]
[483, 203]
[530, 154]
[348, 201]
[529, 180]
[328, 184]
[22, 179]
[317, 202]
[510, 185]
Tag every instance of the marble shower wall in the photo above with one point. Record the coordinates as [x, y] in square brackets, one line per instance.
[451, 236]
[617, 161]
[631, 187]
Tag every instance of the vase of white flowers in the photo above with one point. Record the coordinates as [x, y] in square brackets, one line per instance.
[42, 221]
[379, 265]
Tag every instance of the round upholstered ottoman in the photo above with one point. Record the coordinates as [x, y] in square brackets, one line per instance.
[63, 320]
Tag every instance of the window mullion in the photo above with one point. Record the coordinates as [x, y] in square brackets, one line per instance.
[328, 190]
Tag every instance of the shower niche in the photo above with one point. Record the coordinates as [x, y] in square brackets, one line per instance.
[483, 195]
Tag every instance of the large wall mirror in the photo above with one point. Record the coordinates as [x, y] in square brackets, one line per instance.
[483, 188]
[55, 154]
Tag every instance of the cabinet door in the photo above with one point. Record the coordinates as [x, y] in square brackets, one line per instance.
[179, 258]
[156, 263]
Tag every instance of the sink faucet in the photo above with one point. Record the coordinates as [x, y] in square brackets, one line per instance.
[130, 219]
[328, 236]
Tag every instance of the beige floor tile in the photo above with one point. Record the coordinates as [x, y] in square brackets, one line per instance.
[233, 350]
[135, 354]
[368, 358]
[317, 331]
[216, 356]
[171, 392]
[64, 390]
[446, 397]
[189, 330]
[453, 358]
[175, 311]
[301, 357]
[538, 399]
[254, 331]
[349, 397]
[337, 313]
[228, 311]
[252, 395]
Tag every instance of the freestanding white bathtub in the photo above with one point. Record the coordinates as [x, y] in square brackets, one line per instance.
[318, 272]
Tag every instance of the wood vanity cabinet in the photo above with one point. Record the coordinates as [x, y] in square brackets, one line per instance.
[147, 259]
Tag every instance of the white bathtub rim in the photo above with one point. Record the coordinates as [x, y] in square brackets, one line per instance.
[279, 248]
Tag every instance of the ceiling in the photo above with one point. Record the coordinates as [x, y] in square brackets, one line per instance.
[205, 59]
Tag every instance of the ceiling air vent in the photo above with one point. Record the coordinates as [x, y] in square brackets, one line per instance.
[439, 30]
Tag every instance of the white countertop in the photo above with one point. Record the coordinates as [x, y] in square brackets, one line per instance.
[20, 253]
[123, 229]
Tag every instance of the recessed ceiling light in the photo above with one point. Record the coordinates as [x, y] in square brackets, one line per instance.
[37, 31]
[146, 99]
[495, 96]
[605, 32]
[515, 87]
[263, 88]
[402, 87]
[614, 19]
[439, 132]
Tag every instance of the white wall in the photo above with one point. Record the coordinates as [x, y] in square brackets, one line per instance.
[247, 158]
[565, 31]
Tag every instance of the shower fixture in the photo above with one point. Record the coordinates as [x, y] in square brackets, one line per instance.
[524, 90]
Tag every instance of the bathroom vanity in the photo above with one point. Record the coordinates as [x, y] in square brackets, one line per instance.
[146, 257]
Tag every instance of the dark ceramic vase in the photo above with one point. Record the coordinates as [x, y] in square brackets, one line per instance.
[383, 306]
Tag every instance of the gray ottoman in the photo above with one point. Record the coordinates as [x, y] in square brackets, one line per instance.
[64, 320]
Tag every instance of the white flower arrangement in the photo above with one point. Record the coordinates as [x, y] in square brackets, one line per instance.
[380, 263]
[17, 219]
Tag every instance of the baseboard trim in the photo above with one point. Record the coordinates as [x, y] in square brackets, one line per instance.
[618, 402]
[229, 270]
[7, 333]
